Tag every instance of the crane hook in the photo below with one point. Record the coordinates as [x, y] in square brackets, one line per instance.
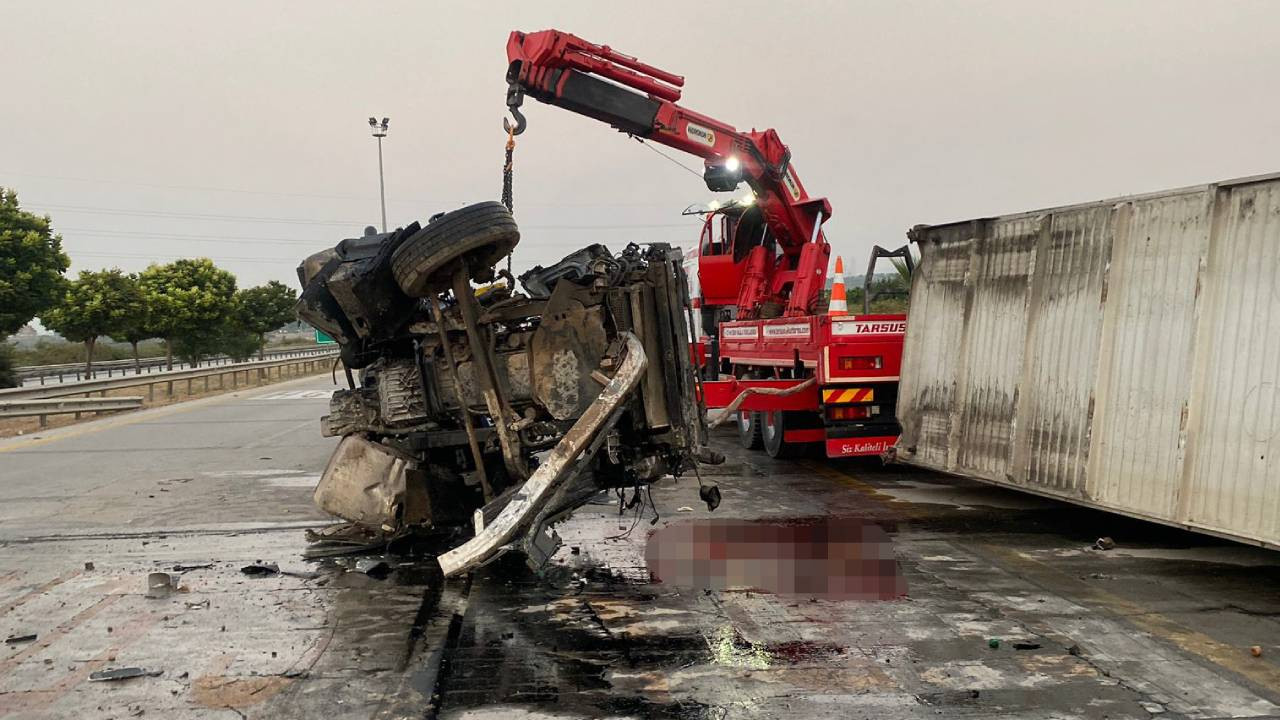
[515, 98]
[520, 122]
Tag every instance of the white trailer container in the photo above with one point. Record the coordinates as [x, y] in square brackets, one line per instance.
[1122, 354]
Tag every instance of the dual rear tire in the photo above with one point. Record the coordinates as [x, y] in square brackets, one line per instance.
[767, 430]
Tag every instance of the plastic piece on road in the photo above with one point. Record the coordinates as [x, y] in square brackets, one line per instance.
[159, 585]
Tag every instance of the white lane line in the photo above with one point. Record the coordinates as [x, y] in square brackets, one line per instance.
[296, 395]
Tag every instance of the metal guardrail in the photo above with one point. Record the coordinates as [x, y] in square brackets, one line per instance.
[102, 385]
[113, 368]
[62, 406]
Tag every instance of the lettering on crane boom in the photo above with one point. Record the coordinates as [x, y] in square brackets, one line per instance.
[697, 133]
[869, 327]
[793, 187]
[749, 332]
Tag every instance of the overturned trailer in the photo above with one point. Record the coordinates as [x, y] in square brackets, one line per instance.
[491, 411]
[1122, 354]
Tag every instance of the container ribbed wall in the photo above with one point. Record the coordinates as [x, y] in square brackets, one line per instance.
[1124, 354]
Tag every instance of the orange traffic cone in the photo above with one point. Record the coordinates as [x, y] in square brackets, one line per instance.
[838, 305]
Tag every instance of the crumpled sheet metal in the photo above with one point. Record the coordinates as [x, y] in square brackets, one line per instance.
[366, 484]
[533, 495]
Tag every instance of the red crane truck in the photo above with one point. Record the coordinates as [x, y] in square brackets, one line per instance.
[792, 376]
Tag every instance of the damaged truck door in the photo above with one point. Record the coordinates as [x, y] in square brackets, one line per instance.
[492, 412]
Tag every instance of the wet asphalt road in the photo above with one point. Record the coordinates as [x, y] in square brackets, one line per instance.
[1160, 626]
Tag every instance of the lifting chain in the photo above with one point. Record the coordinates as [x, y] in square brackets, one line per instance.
[506, 179]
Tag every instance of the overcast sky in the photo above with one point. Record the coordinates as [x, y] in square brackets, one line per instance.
[238, 131]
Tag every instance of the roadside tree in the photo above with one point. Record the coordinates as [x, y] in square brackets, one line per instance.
[93, 305]
[264, 308]
[31, 266]
[190, 302]
[135, 325]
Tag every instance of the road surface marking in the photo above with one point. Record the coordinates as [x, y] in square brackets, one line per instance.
[37, 591]
[297, 395]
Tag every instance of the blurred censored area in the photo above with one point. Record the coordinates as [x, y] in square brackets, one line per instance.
[828, 558]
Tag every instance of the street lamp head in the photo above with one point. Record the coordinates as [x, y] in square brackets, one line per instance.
[377, 130]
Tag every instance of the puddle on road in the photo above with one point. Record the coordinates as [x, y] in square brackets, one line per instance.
[831, 558]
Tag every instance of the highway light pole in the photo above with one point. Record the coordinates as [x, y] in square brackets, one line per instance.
[380, 131]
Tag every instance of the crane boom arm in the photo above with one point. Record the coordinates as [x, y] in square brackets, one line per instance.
[561, 69]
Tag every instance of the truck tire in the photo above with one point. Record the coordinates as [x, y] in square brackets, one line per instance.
[774, 425]
[482, 234]
[749, 422]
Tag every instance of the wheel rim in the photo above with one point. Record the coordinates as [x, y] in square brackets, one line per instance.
[769, 426]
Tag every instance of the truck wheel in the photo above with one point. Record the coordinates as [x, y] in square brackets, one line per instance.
[749, 429]
[482, 234]
[773, 425]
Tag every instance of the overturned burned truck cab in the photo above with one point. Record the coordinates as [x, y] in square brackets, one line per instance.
[495, 412]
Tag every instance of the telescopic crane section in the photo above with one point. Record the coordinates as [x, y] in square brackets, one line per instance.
[636, 98]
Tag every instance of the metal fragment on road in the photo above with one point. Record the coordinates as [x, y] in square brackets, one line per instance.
[17, 639]
[123, 674]
[261, 569]
[373, 567]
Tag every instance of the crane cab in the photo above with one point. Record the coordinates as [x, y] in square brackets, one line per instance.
[728, 236]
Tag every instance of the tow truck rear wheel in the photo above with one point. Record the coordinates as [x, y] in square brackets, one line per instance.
[749, 435]
[775, 424]
[481, 234]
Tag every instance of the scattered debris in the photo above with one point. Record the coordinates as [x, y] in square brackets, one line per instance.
[684, 508]
[202, 605]
[123, 674]
[993, 643]
[88, 566]
[1074, 650]
[710, 495]
[1027, 646]
[373, 568]
[261, 569]
[1255, 650]
[17, 639]
[265, 569]
[159, 585]
[185, 568]
[1104, 543]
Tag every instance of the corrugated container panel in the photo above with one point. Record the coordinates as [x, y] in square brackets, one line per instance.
[1233, 478]
[993, 341]
[1145, 373]
[936, 373]
[1124, 354]
[1065, 324]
